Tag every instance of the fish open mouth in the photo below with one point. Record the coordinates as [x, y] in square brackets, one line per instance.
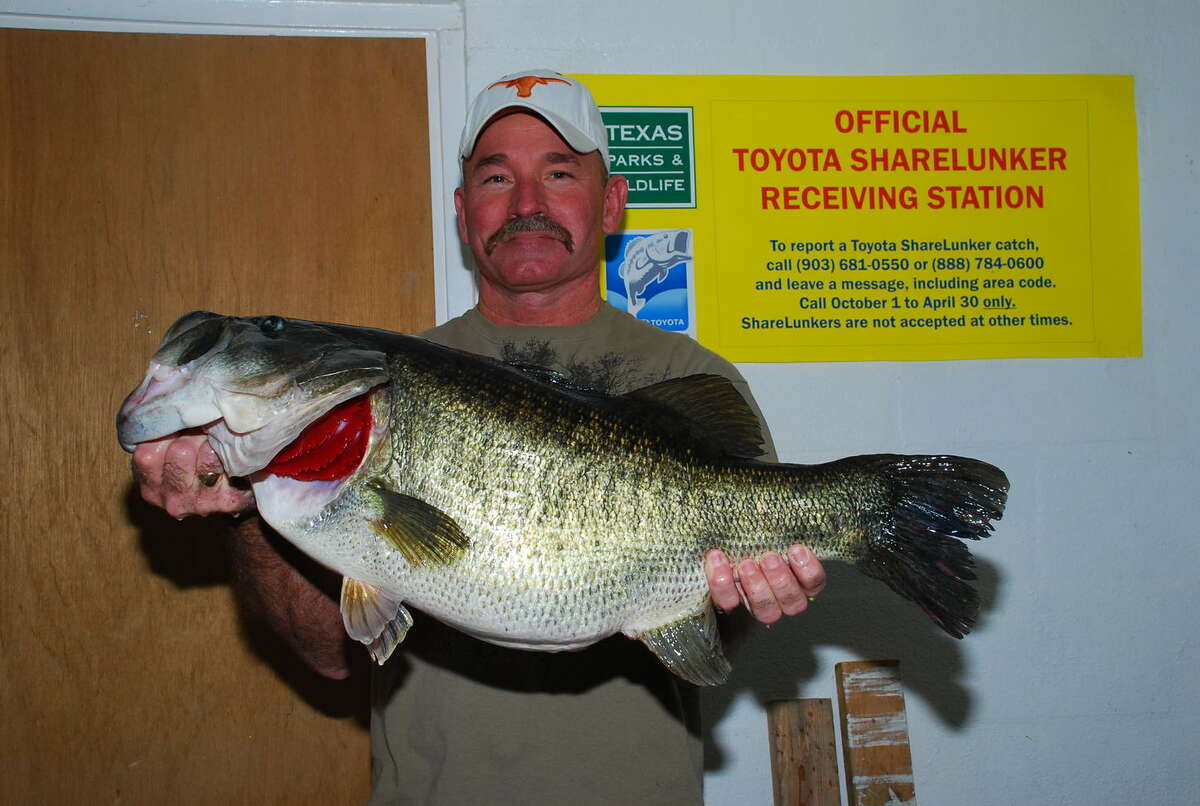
[317, 442]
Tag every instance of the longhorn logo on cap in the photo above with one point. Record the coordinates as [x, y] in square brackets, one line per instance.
[525, 84]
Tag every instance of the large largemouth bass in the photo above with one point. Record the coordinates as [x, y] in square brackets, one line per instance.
[531, 513]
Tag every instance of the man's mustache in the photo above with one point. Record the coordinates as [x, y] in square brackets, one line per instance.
[538, 222]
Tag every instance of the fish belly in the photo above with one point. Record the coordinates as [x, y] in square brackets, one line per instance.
[555, 592]
[514, 586]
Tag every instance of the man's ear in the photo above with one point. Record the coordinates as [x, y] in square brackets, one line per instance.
[459, 215]
[616, 193]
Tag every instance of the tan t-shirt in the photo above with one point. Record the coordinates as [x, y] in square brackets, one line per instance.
[456, 721]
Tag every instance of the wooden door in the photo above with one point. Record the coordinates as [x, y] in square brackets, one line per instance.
[143, 176]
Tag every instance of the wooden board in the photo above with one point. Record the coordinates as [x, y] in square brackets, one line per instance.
[803, 753]
[874, 733]
[142, 176]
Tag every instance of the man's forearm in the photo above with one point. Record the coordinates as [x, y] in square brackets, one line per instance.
[273, 588]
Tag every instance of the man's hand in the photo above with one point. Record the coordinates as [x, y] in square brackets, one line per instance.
[771, 588]
[182, 475]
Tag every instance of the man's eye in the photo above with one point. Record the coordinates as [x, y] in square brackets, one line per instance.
[561, 174]
[495, 179]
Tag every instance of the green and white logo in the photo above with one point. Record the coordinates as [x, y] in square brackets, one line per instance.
[653, 147]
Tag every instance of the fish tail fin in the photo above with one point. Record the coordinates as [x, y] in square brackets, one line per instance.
[935, 501]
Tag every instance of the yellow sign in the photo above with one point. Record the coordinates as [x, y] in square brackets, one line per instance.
[896, 218]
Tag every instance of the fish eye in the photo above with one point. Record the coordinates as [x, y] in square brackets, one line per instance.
[271, 325]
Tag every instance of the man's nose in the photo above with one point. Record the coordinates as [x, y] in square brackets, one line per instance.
[528, 198]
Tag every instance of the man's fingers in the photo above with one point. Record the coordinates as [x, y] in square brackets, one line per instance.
[221, 495]
[763, 603]
[722, 584]
[179, 465]
[771, 588]
[791, 597]
[207, 461]
[183, 475]
[147, 470]
[180, 484]
[808, 570]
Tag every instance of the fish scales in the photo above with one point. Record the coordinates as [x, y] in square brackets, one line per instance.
[531, 513]
[645, 531]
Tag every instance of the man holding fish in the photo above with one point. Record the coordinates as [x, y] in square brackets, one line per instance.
[454, 720]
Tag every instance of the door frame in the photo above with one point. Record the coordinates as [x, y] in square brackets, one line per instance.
[440, 24]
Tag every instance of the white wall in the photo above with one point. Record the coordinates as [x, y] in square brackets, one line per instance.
[1079, 684]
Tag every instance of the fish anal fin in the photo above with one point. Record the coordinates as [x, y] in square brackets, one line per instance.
[422, 533]
[373, 617]
[713, 408]
[690, 648]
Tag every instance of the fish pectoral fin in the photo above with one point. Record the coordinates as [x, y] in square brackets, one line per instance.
[690, 648]
[709, 407]
[374, 618]
[422, 533]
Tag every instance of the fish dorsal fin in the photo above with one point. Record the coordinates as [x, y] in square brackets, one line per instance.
[690, 648]
[713, 409]
[422, 533]
[374, 618]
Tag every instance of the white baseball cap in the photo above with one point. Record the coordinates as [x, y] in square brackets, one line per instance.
[563, 102]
